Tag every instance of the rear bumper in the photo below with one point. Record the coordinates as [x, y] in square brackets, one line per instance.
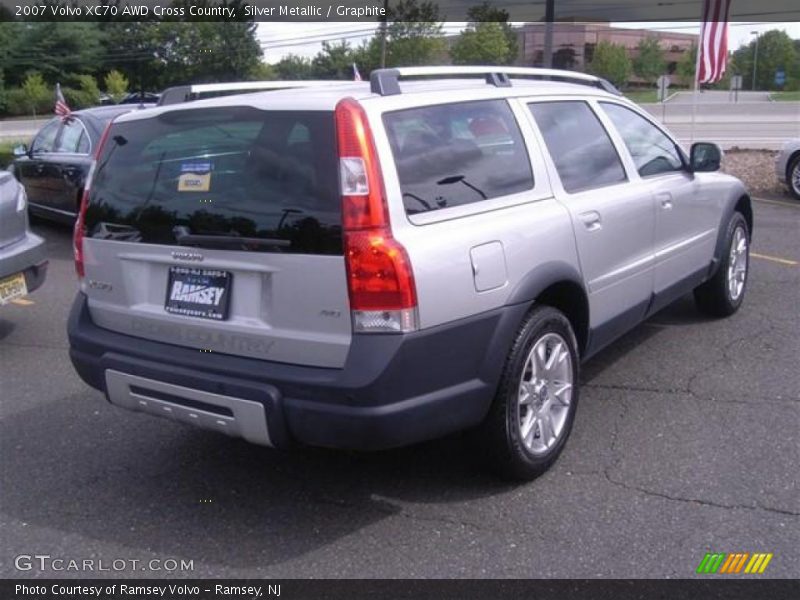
[25, 256]
[393, 390]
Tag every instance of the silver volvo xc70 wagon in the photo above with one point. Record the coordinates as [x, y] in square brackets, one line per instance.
[369, 265]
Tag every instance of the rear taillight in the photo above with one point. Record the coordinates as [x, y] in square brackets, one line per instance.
[80, 229]
[380, 281]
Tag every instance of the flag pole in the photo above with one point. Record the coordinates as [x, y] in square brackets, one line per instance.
[695, 80]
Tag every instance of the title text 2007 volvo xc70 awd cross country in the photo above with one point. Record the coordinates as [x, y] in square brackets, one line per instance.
[374, 264]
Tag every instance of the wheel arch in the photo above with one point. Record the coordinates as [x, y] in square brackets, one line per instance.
[741, 204]
[793, 157]
[560, 286]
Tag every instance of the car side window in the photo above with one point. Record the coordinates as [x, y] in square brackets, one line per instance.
[581, 149]
[456, 154]
[45, 140]
[71, 135]
[652, 151]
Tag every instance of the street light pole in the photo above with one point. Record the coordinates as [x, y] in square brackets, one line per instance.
[755, 60]
[384, 27]
[549, 17]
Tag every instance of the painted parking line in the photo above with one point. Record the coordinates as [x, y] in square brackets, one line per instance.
[776, 259]
[22, 302]
[795, 205]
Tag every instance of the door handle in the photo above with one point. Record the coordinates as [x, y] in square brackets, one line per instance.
[591, 220]
[665, 199]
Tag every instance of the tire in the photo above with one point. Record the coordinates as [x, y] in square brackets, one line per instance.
[793, 177]
[523, 404]
[719, 296]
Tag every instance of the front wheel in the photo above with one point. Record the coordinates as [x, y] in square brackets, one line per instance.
[722, 295]
[793, 177]
[532, 413]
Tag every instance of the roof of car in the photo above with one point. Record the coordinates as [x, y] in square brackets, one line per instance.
[325, 97]
[97, 117]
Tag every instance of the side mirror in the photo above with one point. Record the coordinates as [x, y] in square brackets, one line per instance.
[705, 157]
[20, 150]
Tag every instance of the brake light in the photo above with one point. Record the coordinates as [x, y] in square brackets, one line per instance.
[380, 280]
[79, 231]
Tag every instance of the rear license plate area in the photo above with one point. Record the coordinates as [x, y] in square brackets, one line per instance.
[202, 293]
[12, 288]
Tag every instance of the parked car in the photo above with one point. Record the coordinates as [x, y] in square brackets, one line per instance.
[787, 167]
[23, 266]
[54, 168]
[370, 265]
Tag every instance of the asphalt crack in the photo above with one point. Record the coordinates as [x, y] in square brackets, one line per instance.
[698, 501]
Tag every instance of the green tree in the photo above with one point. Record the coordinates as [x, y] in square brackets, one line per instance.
[611, 62]
[414, 34]
[649, 63]
[294, 67]
[131, 48]
[2, 93]
[264, 72]
[687, 65]
[487, 12]
[776, 51]
[84, 94]
[334, 61]
[36, 93]
[481, 44]
[116, 85]
[207, 51]
[56, 50]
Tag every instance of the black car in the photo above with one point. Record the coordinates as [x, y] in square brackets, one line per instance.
[54, 168]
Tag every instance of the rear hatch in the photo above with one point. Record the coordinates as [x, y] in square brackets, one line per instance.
[13, 222]
[220, 229]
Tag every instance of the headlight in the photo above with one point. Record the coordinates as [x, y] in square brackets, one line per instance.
[22, 199]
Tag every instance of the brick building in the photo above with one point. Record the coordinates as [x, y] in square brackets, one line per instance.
[574, 43]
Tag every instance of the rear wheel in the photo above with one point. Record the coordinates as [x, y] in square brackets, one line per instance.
[793, 176]
[722, 295]
[532, 413]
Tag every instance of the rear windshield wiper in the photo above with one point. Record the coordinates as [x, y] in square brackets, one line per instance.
[225, 241]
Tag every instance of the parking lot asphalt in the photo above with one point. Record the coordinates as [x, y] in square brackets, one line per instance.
[687, 441]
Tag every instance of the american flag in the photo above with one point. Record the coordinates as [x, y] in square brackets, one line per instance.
[713, 52]
[356, 74]
[61, 108]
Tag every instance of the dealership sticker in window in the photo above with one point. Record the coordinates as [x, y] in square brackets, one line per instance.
[195, 177]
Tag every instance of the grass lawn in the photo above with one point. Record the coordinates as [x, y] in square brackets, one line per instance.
[786, 96]
[642, 96]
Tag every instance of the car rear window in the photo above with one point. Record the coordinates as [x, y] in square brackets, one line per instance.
[456, 154]
[199, 177]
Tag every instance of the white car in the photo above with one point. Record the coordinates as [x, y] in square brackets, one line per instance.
[787, 167]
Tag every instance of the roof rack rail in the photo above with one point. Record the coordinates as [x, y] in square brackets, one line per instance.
[187, 93]
[385, 81]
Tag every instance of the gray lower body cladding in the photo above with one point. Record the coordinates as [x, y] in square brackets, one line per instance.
[394, 390]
